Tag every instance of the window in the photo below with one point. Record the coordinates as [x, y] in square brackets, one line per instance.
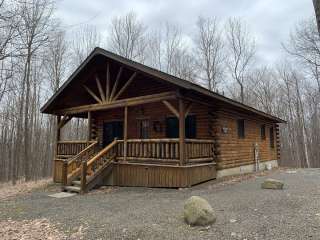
[271, 137]
[241, 131]
[263, 131]
[172, 127]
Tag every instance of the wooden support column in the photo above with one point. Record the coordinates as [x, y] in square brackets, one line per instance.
[181, 131]
[89, 126]
[58, 134]
[125, 133]
[83, 179]
[55, 154]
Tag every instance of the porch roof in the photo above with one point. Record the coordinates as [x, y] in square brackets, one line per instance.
[181, 83]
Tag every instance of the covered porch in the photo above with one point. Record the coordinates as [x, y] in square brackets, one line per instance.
[139, 156]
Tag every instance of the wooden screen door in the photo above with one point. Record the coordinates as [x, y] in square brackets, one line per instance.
[112, 130]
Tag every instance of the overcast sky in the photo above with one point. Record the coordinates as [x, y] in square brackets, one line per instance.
[269, 20]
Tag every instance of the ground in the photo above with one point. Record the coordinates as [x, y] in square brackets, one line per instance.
[243, 209]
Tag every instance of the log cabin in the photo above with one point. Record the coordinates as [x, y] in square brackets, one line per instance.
[148, 128]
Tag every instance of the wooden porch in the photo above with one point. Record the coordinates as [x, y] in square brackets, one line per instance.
[146, 162]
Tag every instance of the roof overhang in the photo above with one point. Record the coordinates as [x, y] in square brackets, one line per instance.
[160, 75]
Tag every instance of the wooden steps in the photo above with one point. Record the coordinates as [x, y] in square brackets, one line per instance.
[72, 189]
[76, 183]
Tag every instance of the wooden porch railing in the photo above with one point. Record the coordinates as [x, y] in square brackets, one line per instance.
[71, 166]
[199, 150]
[166, 150]
[71, 148]
[90, 170]
[155, 150]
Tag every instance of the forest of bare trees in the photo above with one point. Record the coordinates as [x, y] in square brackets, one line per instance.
[37, 54]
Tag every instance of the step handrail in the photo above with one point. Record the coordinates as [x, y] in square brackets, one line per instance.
[66, 177]
[87, 164]
[102, 152]
[73, 159]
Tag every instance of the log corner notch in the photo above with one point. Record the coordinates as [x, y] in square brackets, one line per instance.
[109, 95]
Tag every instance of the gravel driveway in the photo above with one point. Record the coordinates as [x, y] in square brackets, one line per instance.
[244, 211]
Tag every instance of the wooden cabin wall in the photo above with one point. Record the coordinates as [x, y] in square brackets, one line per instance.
[234, 151]
[153, 112]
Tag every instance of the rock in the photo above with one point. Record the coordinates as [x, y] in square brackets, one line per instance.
[198, 212]
[272, 184]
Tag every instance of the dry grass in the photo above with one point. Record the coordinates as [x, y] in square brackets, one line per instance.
[7, 190]
[37, 229]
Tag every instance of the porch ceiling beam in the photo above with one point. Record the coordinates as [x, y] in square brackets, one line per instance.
[125, 86]
[114, 88]
[119, 103]
[171, 108]
[108, 83]
[188, 108]
[92, 94]
[102, 96]
[65, 119]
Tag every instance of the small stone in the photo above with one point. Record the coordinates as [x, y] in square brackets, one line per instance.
[272, 184]
[233, 220]
[198, 212]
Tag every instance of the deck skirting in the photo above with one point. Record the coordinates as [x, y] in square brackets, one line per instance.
[151, 175]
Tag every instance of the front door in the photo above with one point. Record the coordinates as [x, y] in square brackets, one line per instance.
[112, 130]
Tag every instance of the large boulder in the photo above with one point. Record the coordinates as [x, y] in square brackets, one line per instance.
[272, 184]
[198, 212]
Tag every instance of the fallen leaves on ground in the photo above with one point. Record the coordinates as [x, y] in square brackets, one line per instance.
[37, 229]
[8, 190]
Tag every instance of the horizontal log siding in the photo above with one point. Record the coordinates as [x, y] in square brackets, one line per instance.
[235, 152]
[153, 112]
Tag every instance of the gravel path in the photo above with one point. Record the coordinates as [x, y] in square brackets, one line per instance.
[244, 211]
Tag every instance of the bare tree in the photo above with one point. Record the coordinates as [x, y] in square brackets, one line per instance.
[263, 86]
[241, 47]
[154, 50]
[84, 40]
[34, 30]
[304, 45]
[127, 37]
[9, 23]
[316, 5]
[210, 52]
[56, 61]
[167, 52]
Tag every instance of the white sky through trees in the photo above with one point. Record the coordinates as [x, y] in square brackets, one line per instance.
[269, 20]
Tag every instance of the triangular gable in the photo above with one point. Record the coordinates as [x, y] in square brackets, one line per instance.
[152, 73]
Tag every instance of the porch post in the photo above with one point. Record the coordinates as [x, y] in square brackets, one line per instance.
[181, 131]
[125, 133]
[58, 134]
[89, 126]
